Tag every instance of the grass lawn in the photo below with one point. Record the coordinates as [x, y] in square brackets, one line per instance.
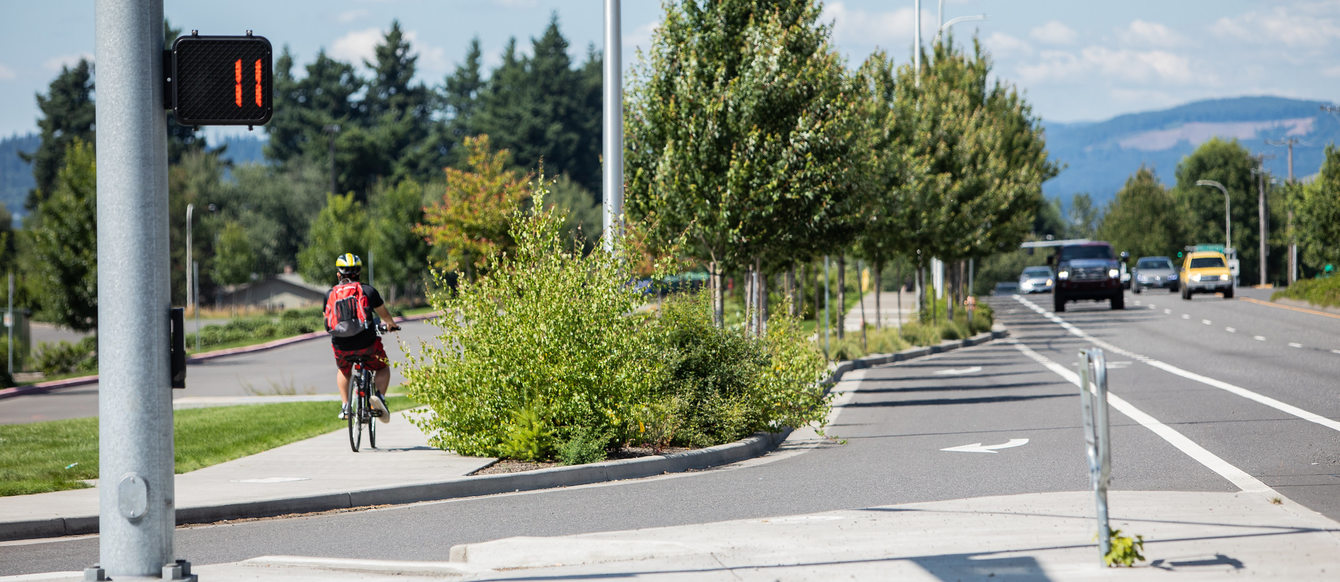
[56, 455]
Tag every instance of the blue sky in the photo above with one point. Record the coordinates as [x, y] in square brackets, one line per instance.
[1075, 60]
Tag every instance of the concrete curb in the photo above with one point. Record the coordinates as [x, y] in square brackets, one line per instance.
[567, 476]
[279, 343]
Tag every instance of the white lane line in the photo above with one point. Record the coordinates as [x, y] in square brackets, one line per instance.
[1230, 330]
[1225, 386]
[1186, 316]
[1335, 351]
[1259, 338]
[1239, 478]
[1295, 345]
[1167, 312]
[1206, 322]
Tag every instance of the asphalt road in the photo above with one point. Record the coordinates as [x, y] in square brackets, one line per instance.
[303, 368]
[1255, 414]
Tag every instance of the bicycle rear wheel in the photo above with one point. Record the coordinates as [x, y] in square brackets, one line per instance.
[367, 405]
[356, 412]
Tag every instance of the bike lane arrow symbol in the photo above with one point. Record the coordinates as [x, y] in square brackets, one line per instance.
[980, 448]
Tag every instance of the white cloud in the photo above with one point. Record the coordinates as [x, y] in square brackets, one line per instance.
[6, 73]
[1331, 72]
[432, 59]
[1150, 34]
[1292, 28]
[55, 64]
[1003, 45]
[859, 28]
[1054, 32]
[357, 46]
[1120, 65]
[351, 16]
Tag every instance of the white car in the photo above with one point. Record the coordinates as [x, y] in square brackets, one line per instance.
[1036, 280]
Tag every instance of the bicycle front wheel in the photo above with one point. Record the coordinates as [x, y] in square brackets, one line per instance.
[355, 417]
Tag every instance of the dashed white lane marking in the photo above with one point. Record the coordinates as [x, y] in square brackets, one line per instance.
[1295, 345]
[1167, 312]
[1186, 316]
[1206, 322]
[1259, 338]
[1335, 351]
[1220, 384]
[1234, 475]
[1230, 330]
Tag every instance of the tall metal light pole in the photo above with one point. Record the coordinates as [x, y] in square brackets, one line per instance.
[612, 127]
[1228, 233]
[136, 495]
[190, 294]
[1293, 247]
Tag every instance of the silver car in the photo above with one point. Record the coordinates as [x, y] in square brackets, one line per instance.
[1036, 280]
[1154, 273]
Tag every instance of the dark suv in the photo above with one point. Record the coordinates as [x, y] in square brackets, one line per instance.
[1086, 271]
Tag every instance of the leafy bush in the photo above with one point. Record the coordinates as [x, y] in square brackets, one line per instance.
[67, 358]
[550, 354]
[1320, 292]
[549, 331]
[585, 446]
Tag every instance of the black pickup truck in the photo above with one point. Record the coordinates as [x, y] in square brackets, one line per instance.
[1086, 271]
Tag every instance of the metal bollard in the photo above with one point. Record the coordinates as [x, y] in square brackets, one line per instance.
[1097, 438]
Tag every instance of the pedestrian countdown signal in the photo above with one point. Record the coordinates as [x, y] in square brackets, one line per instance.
[222, 80]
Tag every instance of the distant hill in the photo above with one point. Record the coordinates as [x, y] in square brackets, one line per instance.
[242, 149]
[1099, 157]
[16, 175]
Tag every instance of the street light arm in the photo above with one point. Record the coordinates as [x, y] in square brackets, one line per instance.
[1228, 233]
[956, 20]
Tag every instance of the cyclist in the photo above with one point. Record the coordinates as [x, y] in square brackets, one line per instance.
[366, 343]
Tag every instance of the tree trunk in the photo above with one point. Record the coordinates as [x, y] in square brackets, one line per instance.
[879, 286]
[718, 295]
[841, 296]
[760, 299]
[860, 293]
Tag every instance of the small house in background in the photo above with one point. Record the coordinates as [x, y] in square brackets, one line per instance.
[278, 292]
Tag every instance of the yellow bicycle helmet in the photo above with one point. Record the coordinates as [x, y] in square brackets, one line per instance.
[348, 264]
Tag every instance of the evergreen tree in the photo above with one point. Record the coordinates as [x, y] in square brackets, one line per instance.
[68, 114]
[63, 259]
[461, 96]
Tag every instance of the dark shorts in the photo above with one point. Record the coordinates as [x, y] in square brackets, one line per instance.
[375, 354]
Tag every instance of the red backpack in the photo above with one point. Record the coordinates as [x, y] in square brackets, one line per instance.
[347, 310]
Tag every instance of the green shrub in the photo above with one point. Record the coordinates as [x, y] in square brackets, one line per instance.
[1320, 292]
[528, 437]
[548, 331]
[585, 446]
[66, 358]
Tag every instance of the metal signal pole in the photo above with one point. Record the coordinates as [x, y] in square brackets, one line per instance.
[1293, 247]
[136, 494]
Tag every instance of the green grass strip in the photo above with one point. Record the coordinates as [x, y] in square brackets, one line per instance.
[57, 455]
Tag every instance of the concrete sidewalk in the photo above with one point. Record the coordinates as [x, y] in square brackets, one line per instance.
[1036, 536]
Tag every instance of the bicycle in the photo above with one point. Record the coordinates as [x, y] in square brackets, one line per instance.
[361, 411]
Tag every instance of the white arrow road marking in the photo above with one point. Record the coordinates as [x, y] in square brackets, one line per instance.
[980, 448]
[959, 371]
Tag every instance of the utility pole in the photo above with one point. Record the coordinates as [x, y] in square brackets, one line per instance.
[612, 128]
[1293, 247]
[1260, 172]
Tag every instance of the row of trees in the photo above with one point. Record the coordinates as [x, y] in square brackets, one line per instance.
[751, 145]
